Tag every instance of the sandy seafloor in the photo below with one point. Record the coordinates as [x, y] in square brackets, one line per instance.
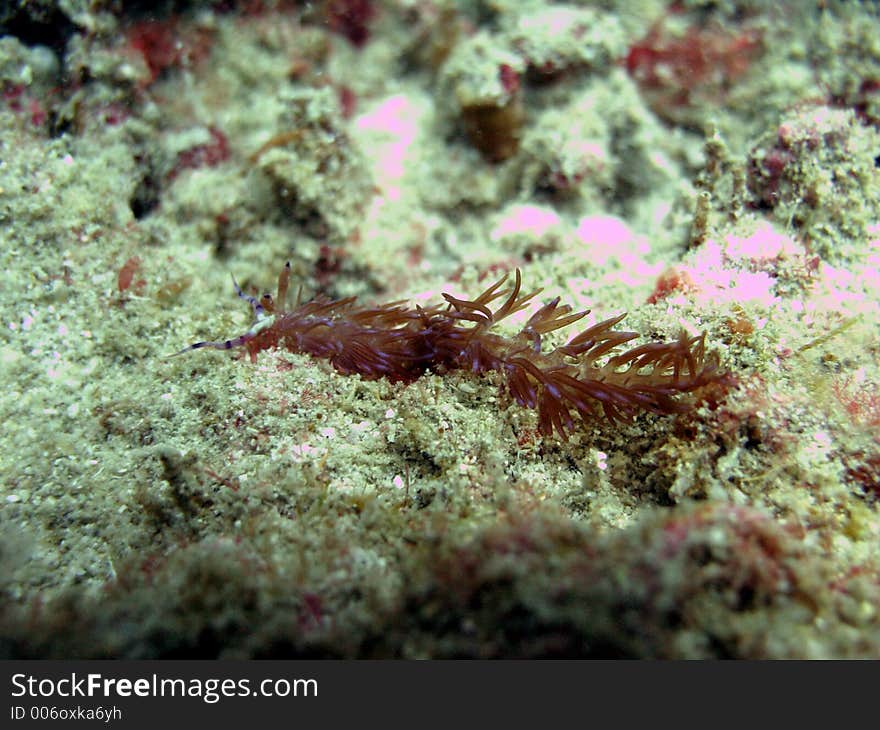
[711, 166]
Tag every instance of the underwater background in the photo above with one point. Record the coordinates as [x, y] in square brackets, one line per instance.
[707, 167]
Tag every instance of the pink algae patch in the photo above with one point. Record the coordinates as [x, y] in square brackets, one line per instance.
[607, 241]
[392, 127]
[736, 269]
[847, 292]
[764, 244]
[530, 220]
